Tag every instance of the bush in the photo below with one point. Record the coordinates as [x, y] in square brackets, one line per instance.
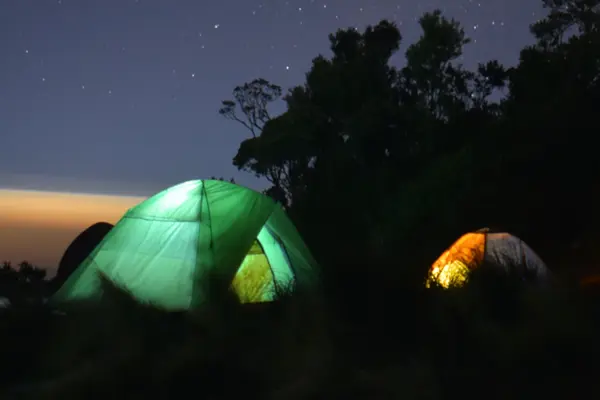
[494, 338]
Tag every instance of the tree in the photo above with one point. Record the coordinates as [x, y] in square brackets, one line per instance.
[424, 147]
[358, 124]
[553, 95]
[575, 17]
[253, 99]
[30, 273]
[24, 283]
[230, 180]
[431, 76]
[8, 278]
[322, 113]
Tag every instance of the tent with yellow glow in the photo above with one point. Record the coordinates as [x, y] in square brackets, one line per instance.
[164, 250]
[475, 249]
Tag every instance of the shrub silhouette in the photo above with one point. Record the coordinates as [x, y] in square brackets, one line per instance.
[409, 343]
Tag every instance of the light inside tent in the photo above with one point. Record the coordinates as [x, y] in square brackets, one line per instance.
[454, 274]
[452, 268]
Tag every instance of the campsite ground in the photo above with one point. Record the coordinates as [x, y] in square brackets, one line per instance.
[405, 343]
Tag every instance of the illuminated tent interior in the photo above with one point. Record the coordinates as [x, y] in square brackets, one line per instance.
[472, 250]
[164, 250]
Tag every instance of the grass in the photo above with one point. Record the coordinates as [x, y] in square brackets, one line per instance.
[494, 338]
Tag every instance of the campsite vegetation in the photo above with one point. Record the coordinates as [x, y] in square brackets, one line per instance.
[380, 168]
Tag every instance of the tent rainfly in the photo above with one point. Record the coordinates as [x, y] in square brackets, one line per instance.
[472, 250]
[78, 250]
[164, 250]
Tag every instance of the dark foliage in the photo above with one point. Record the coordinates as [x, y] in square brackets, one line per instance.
[24, 284]
[494, 333]
[401, 161]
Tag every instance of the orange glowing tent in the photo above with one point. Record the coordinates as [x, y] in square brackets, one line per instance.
[591, 281]
[474, 249]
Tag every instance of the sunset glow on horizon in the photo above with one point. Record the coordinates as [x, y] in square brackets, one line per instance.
[37, 226]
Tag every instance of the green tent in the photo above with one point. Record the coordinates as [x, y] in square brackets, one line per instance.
[163, 250]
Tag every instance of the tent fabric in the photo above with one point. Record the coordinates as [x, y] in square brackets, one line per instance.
[78, 250]
[164, 250]
[5, 302]
[508, 251]
[454, 265]
[472, 250]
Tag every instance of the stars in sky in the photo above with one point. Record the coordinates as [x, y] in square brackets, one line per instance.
[399, 13]
[119, 75]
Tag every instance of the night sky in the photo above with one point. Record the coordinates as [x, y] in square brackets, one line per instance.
[121, 96]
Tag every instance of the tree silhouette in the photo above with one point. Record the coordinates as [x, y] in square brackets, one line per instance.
[29, 273]
[24, 283]
[231, 180]
[253, 99]
[421, 149]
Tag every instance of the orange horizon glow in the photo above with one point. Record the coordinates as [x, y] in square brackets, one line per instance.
[38, 226]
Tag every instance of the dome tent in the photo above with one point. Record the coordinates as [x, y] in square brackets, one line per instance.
[472, 250]
[81, 247]
[164, 250]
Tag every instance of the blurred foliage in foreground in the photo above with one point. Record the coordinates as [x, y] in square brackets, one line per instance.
[494, 339]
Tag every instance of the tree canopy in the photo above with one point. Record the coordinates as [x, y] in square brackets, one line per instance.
[375, 158]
